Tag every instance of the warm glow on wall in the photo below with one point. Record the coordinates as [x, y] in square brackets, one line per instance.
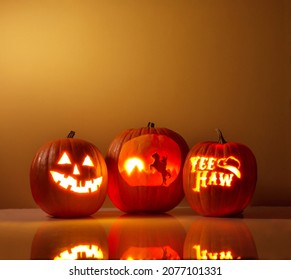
[115, 64]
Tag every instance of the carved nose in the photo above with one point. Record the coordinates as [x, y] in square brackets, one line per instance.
[76, 170]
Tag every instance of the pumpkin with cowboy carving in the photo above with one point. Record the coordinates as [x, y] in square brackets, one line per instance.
[145, 169]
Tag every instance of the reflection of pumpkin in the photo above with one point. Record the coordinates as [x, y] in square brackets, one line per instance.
[216, 239]
[59, 240]
[146, 238]
[145, 169]
[219, 178]
[68, 178]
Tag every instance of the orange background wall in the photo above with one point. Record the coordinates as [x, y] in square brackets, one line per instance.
[99, 67]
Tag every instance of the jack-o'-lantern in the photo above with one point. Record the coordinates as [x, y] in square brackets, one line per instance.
[145, 169]
[159, 237]
[68, 178]
[70, 240]
[219, 239]
[219, 177]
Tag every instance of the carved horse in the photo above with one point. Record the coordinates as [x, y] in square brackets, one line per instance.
[160, 165]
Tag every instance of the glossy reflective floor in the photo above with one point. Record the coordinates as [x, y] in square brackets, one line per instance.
[260, 233]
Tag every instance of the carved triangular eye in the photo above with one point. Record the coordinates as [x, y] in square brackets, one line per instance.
[64, 159]
[87, 161]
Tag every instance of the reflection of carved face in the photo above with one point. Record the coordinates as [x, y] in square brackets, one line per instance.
[74, 181]
[79, 252]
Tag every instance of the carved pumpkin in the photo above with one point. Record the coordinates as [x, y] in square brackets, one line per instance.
[146, 238]
[70, 240]
[145, 169]
[68, 178]
[212, 239]
[219, 178]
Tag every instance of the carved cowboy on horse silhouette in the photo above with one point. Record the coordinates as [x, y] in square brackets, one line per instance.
[160, 165]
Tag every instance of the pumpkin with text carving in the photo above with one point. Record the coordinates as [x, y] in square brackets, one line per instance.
[145, 169]
[68, 178]
[219, 178]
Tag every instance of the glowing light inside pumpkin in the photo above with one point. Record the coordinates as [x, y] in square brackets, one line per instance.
[132, 163]
[76, 170]
[206, 171]
[81, 252]
[205, 255]
[70, 183]
[76, 186]
[88, 161]
[64, 159]
[150, 160]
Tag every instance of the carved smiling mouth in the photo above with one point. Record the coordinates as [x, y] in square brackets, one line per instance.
[74, 185]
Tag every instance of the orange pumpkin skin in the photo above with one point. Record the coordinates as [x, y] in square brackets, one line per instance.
[219, 239]
[145, 187]
[219, 178]
[68, 190]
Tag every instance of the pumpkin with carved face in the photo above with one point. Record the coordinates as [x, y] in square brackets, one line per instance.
[219, 177]
[145, 169]
[68, 178]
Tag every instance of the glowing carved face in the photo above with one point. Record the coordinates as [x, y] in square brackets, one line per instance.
[81, 252]
[74, 182]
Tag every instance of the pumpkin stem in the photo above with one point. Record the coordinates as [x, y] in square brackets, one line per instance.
[221, 139]
[71, 134]
[150, 124]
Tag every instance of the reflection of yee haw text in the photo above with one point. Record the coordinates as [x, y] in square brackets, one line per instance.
[214, 172]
